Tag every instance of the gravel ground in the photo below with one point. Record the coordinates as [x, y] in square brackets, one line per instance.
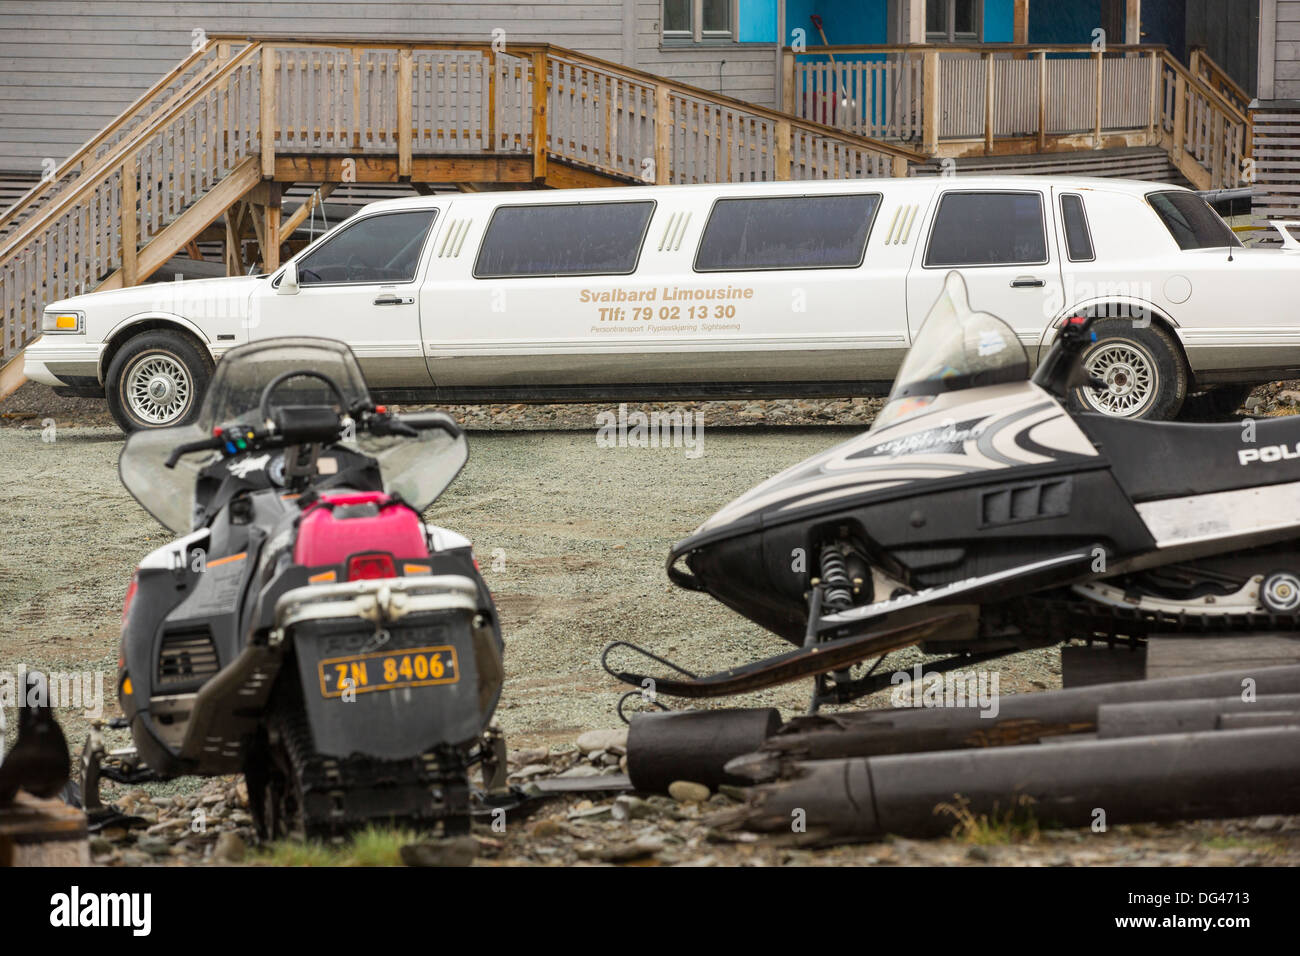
[572, 538]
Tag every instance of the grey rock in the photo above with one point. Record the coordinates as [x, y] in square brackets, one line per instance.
[686, 791]
[628, 807]
[532, 770]
[594, 740]
[456, 851]
[230, 848]
[581, 770]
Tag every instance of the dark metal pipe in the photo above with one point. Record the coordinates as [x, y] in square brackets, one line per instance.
[1182, 716]
[693, 745]
[1021, 718]
[1214, 774]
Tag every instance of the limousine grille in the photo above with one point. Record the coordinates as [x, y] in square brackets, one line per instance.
[900, 227]
[674, 232]
[454, 238]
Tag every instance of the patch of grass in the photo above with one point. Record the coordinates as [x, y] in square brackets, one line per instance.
[1264, 845]
[1014, 825]
[373, 846]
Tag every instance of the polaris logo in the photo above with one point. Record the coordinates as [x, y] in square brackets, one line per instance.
[1269, 453]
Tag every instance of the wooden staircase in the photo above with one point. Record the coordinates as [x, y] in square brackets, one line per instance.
[208, 151]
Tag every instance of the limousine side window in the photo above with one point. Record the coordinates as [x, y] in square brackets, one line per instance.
[563, 239]
[382, 248]
[1078, 239]
[788, 232]
[1191, 221]
[988, 229]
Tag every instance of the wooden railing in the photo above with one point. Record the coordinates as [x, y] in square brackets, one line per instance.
[211, 133]
[1212, 75]
[992, 99]
[169, 90]
[1207, 137]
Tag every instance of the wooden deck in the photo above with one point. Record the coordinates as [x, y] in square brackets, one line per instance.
[1007, 100]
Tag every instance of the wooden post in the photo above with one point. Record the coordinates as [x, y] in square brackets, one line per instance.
[787, 88]
[491, 137]
[539, 115]
[1218, 130]
[267, 119]
[899, 167]
[1020, 22]
[357, 132]
[988, 104]
[1180, 113]
[271, 228]
[1042, 101]
[36, 832]
[130, 221]
[783, 149]
[930, 102]
[663, 134]
[404, 113]
[1153, 106]
[234, 256]
[1096, 131]
[1132, 21]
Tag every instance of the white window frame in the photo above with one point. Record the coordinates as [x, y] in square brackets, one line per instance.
[697, 32]
[950, 33]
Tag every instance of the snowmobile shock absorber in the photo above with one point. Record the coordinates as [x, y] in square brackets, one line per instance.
[838, 594]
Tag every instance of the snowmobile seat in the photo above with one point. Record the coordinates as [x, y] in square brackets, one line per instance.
[1153, 460]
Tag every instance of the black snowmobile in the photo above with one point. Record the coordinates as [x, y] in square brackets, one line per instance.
[308, 629]
[980, 515]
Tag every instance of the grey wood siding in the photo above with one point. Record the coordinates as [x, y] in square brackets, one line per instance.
[1279, 55]
[67, 68]
[749, 72]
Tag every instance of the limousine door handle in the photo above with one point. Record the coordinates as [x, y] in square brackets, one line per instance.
[394, 300]
[1027, 282]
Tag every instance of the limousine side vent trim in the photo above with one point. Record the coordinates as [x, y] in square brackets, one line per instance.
[900, 227]
[674, 232]
[454, 238]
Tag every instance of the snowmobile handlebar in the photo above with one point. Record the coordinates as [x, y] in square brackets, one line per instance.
[373, 419]
[1060, 371]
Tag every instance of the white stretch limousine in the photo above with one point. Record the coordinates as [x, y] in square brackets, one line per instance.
[682, 292]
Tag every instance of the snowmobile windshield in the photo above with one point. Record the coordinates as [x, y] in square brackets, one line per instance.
[418, 469]
[955, 349]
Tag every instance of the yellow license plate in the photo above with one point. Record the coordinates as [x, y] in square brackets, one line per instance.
[389, 670]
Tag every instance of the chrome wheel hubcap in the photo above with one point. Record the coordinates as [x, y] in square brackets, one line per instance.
[1130, 376]
[158, 388]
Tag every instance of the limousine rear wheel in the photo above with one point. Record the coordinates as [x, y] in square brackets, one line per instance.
[1143, 370]
[157, 380]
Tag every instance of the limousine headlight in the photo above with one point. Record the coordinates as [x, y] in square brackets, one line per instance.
[63, 321]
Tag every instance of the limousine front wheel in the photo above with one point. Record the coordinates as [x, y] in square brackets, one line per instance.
[157, 380]
[1142, 369]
